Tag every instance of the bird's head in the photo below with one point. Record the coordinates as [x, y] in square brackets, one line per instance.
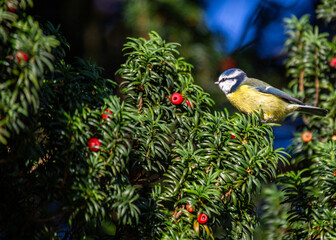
[229, 80]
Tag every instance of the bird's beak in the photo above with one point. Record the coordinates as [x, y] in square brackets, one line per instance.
[217, 82]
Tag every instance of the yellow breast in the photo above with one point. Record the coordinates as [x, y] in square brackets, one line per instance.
[247, 100]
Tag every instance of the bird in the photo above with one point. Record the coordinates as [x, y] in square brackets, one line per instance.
[249, 94]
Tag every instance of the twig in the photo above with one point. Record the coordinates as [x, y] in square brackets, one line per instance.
[317, 89]
[317, 82]
[140, 104]
[301, 78]
[301, 81]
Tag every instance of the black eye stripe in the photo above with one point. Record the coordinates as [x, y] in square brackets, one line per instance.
[224, 79]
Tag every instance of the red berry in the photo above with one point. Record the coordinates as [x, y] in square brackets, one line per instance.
[189, 104]
[202, 218]
[11, 7]
[94, 144]
[106, 116]
[21, 56]
[307, 136]
[333, 62]
[176, 98]
[233, 137]
[189, 208]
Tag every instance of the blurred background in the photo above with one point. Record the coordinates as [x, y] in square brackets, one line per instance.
[215, 35]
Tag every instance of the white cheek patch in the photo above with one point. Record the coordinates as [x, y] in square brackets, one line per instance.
[227, 85]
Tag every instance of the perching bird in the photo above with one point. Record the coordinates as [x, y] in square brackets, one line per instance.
[248, 94]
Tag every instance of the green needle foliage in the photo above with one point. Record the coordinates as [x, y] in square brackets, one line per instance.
[215, 163]
[21, 79]
[326, 11]
[308, 190]
[152, 156]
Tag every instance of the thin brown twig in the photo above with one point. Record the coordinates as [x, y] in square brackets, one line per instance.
[140, 104]
[317, 89]
[317, 82]
[301, 81]
[301, 77]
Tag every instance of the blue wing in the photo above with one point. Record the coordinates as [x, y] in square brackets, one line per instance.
[278, 93]
[266, 88]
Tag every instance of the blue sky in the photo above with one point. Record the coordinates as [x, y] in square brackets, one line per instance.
[258, 21]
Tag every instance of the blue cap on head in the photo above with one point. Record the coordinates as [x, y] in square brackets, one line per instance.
[233, 72]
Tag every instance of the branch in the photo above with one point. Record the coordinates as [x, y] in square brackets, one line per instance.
[317, 82]
[301, 81]
[317, 89]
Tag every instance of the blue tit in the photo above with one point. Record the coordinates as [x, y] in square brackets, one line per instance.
[248, 94]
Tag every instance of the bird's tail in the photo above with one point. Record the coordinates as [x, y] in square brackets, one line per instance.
[311, 110]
